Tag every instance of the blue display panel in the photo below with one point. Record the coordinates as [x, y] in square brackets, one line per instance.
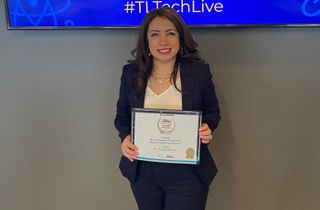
[37, 14]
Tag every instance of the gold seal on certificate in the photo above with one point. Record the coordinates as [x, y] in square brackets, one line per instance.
[190, 153]
[167, 136]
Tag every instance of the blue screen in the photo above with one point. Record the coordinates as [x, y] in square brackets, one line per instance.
[112, 13]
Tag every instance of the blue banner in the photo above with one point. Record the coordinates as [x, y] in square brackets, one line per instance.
[98, 13]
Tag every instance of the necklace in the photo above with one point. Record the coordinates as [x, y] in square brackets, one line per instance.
[160, 80]
[162, 74]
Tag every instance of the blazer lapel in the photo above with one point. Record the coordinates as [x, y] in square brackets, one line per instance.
[186, 86]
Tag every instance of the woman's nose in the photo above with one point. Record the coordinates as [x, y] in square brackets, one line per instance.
[163, 40]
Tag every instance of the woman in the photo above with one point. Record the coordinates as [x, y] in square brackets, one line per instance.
[167, 73]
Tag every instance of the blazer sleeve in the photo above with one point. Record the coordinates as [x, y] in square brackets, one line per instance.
[123, 114]
[211, 110]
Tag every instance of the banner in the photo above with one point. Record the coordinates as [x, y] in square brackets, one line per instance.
[129, 13]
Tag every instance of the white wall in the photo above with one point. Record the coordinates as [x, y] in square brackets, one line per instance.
[60, 151]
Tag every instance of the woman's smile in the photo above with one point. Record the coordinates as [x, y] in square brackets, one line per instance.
[164, 50]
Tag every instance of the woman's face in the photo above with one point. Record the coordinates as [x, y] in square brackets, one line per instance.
[163, 40]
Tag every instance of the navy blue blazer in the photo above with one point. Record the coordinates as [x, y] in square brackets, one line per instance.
[198, 93]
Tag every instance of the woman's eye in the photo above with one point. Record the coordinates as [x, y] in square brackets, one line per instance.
[171, 33]
[154, 34]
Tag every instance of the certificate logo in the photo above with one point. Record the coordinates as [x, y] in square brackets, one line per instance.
[190, 153]
[166, 124]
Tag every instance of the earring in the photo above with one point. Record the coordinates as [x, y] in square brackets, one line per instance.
[181, 50]
[149, 53]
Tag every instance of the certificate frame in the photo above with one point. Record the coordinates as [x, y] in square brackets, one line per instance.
[161, 135]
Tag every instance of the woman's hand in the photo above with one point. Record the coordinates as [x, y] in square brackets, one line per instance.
[128, 149]
[205, 133]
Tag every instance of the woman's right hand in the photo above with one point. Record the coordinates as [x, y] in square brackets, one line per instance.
[128, 149]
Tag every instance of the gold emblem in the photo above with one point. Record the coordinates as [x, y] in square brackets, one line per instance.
[190, 153]
[166, 124]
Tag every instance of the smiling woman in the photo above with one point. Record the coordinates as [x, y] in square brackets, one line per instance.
[163, 39]
[167, 73]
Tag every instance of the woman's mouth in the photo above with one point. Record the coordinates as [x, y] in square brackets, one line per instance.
[164, 50]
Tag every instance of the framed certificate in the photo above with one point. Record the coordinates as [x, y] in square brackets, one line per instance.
[167, 136]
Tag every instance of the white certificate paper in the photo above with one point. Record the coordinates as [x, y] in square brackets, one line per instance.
[166, 136]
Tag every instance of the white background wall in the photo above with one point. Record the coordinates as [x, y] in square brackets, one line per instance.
[60, 151]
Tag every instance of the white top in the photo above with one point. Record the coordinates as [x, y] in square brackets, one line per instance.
[171, 98]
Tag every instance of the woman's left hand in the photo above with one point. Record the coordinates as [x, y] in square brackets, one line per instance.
[205, 133]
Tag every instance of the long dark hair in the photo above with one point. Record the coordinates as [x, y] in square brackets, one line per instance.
[142, 59]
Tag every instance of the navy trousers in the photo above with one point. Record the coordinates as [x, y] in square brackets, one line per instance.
[166, 186]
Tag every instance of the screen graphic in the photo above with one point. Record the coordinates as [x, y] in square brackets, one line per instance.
[39, 14]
